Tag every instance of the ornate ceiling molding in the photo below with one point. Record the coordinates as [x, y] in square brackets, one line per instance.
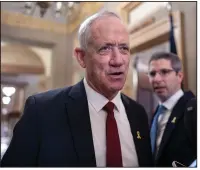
[23, 21]
[125, 8]
[86, 9]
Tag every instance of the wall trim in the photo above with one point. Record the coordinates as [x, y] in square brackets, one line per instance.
[21, 69]
[24, 21]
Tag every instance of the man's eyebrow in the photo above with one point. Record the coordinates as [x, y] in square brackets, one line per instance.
[113, 44]
[109, 44]
[124, 44]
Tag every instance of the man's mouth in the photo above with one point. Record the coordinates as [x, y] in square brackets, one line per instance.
[159, 89]
[116, 74]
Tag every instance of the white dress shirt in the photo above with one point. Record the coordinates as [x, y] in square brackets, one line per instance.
[163, 118]
[96, 102]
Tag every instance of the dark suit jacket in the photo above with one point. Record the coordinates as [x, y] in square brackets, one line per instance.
[191, 122]
[55, 131]
[175, 144]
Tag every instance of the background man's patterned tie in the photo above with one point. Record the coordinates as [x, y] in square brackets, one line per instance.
[154, 127]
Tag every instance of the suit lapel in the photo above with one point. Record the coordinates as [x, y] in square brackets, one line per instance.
[135, 128]
[80, 126]
[174, 118]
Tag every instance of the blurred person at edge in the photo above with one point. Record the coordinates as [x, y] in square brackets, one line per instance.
[69, 127]
[169, 138]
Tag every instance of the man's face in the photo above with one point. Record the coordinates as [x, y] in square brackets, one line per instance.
[164, 80]
[107, 57]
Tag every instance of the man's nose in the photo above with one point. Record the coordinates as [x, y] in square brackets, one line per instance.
[117, 58]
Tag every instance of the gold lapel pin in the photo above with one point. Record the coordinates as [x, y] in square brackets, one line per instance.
[174, 120]
[138, 135]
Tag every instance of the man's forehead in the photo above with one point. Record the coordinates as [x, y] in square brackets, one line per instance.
[106, 31]
[108, 23]
[160, 63]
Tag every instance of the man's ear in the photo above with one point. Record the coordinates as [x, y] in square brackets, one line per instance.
[80, 56]
[180, 76]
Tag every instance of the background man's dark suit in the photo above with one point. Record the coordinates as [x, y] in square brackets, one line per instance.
[55, 131]
[191, 122]
[175, 144]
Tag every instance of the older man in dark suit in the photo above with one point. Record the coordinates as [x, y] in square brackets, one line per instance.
[169, 138]
[91, 123]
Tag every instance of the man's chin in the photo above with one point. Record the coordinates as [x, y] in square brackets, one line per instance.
[111, 91]
[162, 96]
[117, 87]
[114, 86]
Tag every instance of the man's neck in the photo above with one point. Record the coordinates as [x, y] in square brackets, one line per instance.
[108, 95]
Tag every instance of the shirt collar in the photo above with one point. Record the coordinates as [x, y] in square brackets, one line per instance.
[170, 103]
[97, 100]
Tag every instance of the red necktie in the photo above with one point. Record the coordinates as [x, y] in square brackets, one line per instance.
[113, 148]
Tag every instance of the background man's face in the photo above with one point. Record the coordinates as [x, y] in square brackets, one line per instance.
[167, 84]
[108, 55]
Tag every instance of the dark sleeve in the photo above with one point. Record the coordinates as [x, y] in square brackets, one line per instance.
[24, 146]
[191, 121]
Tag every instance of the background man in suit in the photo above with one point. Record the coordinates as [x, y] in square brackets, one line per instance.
[78, 126]
[169, 139]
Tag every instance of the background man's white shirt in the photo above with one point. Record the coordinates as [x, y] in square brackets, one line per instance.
[163, 118]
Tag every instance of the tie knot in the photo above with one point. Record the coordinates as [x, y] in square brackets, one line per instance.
[109, 107]
[161, 109]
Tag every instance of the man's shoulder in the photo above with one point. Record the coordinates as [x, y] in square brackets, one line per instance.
[57, 95]
[51, 94]
[184, 102]
[192, 102]
[187, 96]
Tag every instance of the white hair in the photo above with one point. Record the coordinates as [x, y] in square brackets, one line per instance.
[84, 30]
